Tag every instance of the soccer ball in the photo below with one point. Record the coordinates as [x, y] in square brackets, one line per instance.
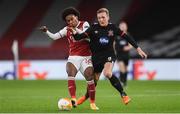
[64, 104]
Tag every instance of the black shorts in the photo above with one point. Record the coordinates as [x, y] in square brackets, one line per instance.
[99, 61]
[123, 58]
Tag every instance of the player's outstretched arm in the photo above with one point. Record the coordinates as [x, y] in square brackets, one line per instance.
[51, 35]
[131, 40]
[134, 44]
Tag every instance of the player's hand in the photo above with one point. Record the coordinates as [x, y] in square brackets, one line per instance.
[73, 31]
[43, 28]
[141, 53]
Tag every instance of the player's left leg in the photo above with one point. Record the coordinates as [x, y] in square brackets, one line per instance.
[122, 69]
[88, 73]
[126, 62]
[115, 82]
[87, 70]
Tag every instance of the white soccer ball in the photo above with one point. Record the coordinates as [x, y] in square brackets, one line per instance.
[64, 104]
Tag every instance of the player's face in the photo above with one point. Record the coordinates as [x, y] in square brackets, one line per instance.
[103, 18]
[123, 27]
[72, 20]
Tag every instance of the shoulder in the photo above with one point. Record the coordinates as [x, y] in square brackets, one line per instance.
[112, 25]
[95, 25]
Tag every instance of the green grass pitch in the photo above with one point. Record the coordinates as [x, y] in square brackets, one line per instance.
[42, 97]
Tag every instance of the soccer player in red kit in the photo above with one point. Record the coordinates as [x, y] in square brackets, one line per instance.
[79, 54]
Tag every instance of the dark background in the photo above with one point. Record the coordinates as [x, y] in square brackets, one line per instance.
[155, 24]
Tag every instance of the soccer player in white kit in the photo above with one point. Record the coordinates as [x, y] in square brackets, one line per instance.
[79, 54]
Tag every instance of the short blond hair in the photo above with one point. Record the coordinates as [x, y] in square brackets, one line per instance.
[103, 10]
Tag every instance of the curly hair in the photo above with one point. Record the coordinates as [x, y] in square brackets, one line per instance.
[68, 11]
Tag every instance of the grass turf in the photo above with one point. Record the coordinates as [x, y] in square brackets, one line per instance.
[42, 96]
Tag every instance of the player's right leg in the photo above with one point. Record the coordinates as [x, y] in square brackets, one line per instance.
[72, 71]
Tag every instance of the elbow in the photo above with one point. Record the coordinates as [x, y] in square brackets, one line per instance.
[53, 38]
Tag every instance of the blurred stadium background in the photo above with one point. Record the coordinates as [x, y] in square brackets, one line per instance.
[154, 24]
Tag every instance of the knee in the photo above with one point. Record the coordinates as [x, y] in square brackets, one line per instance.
[71, 73]
[88, 73]
[107, 74]
[89, 78]
[71, 69]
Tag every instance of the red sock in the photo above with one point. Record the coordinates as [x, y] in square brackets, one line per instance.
[91, 90]
[72, 87]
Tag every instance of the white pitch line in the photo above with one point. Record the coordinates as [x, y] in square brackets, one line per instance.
[91, 113]
[133, 95]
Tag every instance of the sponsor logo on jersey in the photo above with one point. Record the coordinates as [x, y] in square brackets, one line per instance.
[103, 40]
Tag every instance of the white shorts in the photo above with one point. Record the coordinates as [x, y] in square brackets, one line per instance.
[80, 62]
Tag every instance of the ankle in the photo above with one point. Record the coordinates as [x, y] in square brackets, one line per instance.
[92, 101]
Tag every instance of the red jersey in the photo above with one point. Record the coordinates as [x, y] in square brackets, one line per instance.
[77, 48]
